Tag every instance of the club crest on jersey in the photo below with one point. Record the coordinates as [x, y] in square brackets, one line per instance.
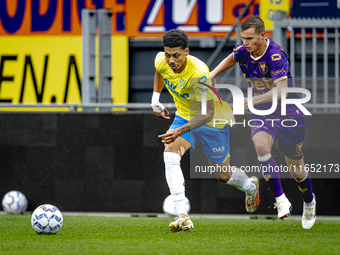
[263, 67]
[182, 83]
[299, 147]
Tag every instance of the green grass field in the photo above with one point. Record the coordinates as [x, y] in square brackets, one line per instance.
[149, 235]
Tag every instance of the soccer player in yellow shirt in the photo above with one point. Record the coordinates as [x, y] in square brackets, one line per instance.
[187, 79]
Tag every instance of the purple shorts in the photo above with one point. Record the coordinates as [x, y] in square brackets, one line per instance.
[290, 132]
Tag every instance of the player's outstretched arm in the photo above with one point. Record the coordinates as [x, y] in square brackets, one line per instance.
[171, 135]
[157, 107]
[227, 63]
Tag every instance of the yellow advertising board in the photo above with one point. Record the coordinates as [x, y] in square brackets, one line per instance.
[268, 9]
[48, 69]
[40, 69]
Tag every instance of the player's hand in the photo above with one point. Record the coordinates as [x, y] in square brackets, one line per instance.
[160, 111]
[163, 114]
[213, 81]
[170, 136]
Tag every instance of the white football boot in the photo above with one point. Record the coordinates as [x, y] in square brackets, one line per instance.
[283, 208]
[182, 222]
[308, 215]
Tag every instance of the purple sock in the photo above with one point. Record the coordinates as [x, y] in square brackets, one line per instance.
[305, 188]
[272, 176]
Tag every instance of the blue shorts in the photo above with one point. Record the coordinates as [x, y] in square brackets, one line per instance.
[215, 141]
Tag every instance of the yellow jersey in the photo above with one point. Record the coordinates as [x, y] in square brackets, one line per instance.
[188, 87]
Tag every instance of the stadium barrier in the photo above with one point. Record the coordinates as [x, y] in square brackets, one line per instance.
[72, 108]
[89, 91]
[108, 162]
[312, 44]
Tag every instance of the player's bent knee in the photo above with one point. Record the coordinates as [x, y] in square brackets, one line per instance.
[298, 173]
[167, 149]
[223, 179]
[262, 149]
[171, 148]
[180, 150]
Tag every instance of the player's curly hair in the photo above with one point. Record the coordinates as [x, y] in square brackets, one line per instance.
[253, 22]
[175, 38]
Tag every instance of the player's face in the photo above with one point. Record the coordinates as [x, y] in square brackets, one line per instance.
[176, 58]
[252, 41]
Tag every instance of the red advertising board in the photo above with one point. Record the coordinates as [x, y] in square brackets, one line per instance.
[134, 18]
[50, 17]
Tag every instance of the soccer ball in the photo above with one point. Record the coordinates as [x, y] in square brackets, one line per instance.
[169, 207]
[47, 220]
[14, 202]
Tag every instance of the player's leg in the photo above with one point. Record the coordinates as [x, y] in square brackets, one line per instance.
[174, 175]
[215, 142]
[173, 172]
[237, 178]
[175, 180]
[263, 143]
[303, 179]
[233, 176]
[291, 143]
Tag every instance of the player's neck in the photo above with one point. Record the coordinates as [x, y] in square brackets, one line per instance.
[261, 50]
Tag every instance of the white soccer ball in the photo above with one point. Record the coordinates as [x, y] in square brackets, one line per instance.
[47, 220]
[169, 207]
[14, 202]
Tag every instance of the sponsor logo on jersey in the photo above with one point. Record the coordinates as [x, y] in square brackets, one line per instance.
[173, 87]
[276, 57]
[202, 79]
[282, 71]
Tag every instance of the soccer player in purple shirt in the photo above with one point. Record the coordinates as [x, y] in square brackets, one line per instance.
[265, 66]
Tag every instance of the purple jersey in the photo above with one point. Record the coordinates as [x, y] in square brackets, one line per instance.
[262, 72]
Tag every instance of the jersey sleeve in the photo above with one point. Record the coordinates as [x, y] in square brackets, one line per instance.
[278, 65]
[160, 62]
[201, 85]
[239, 51]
